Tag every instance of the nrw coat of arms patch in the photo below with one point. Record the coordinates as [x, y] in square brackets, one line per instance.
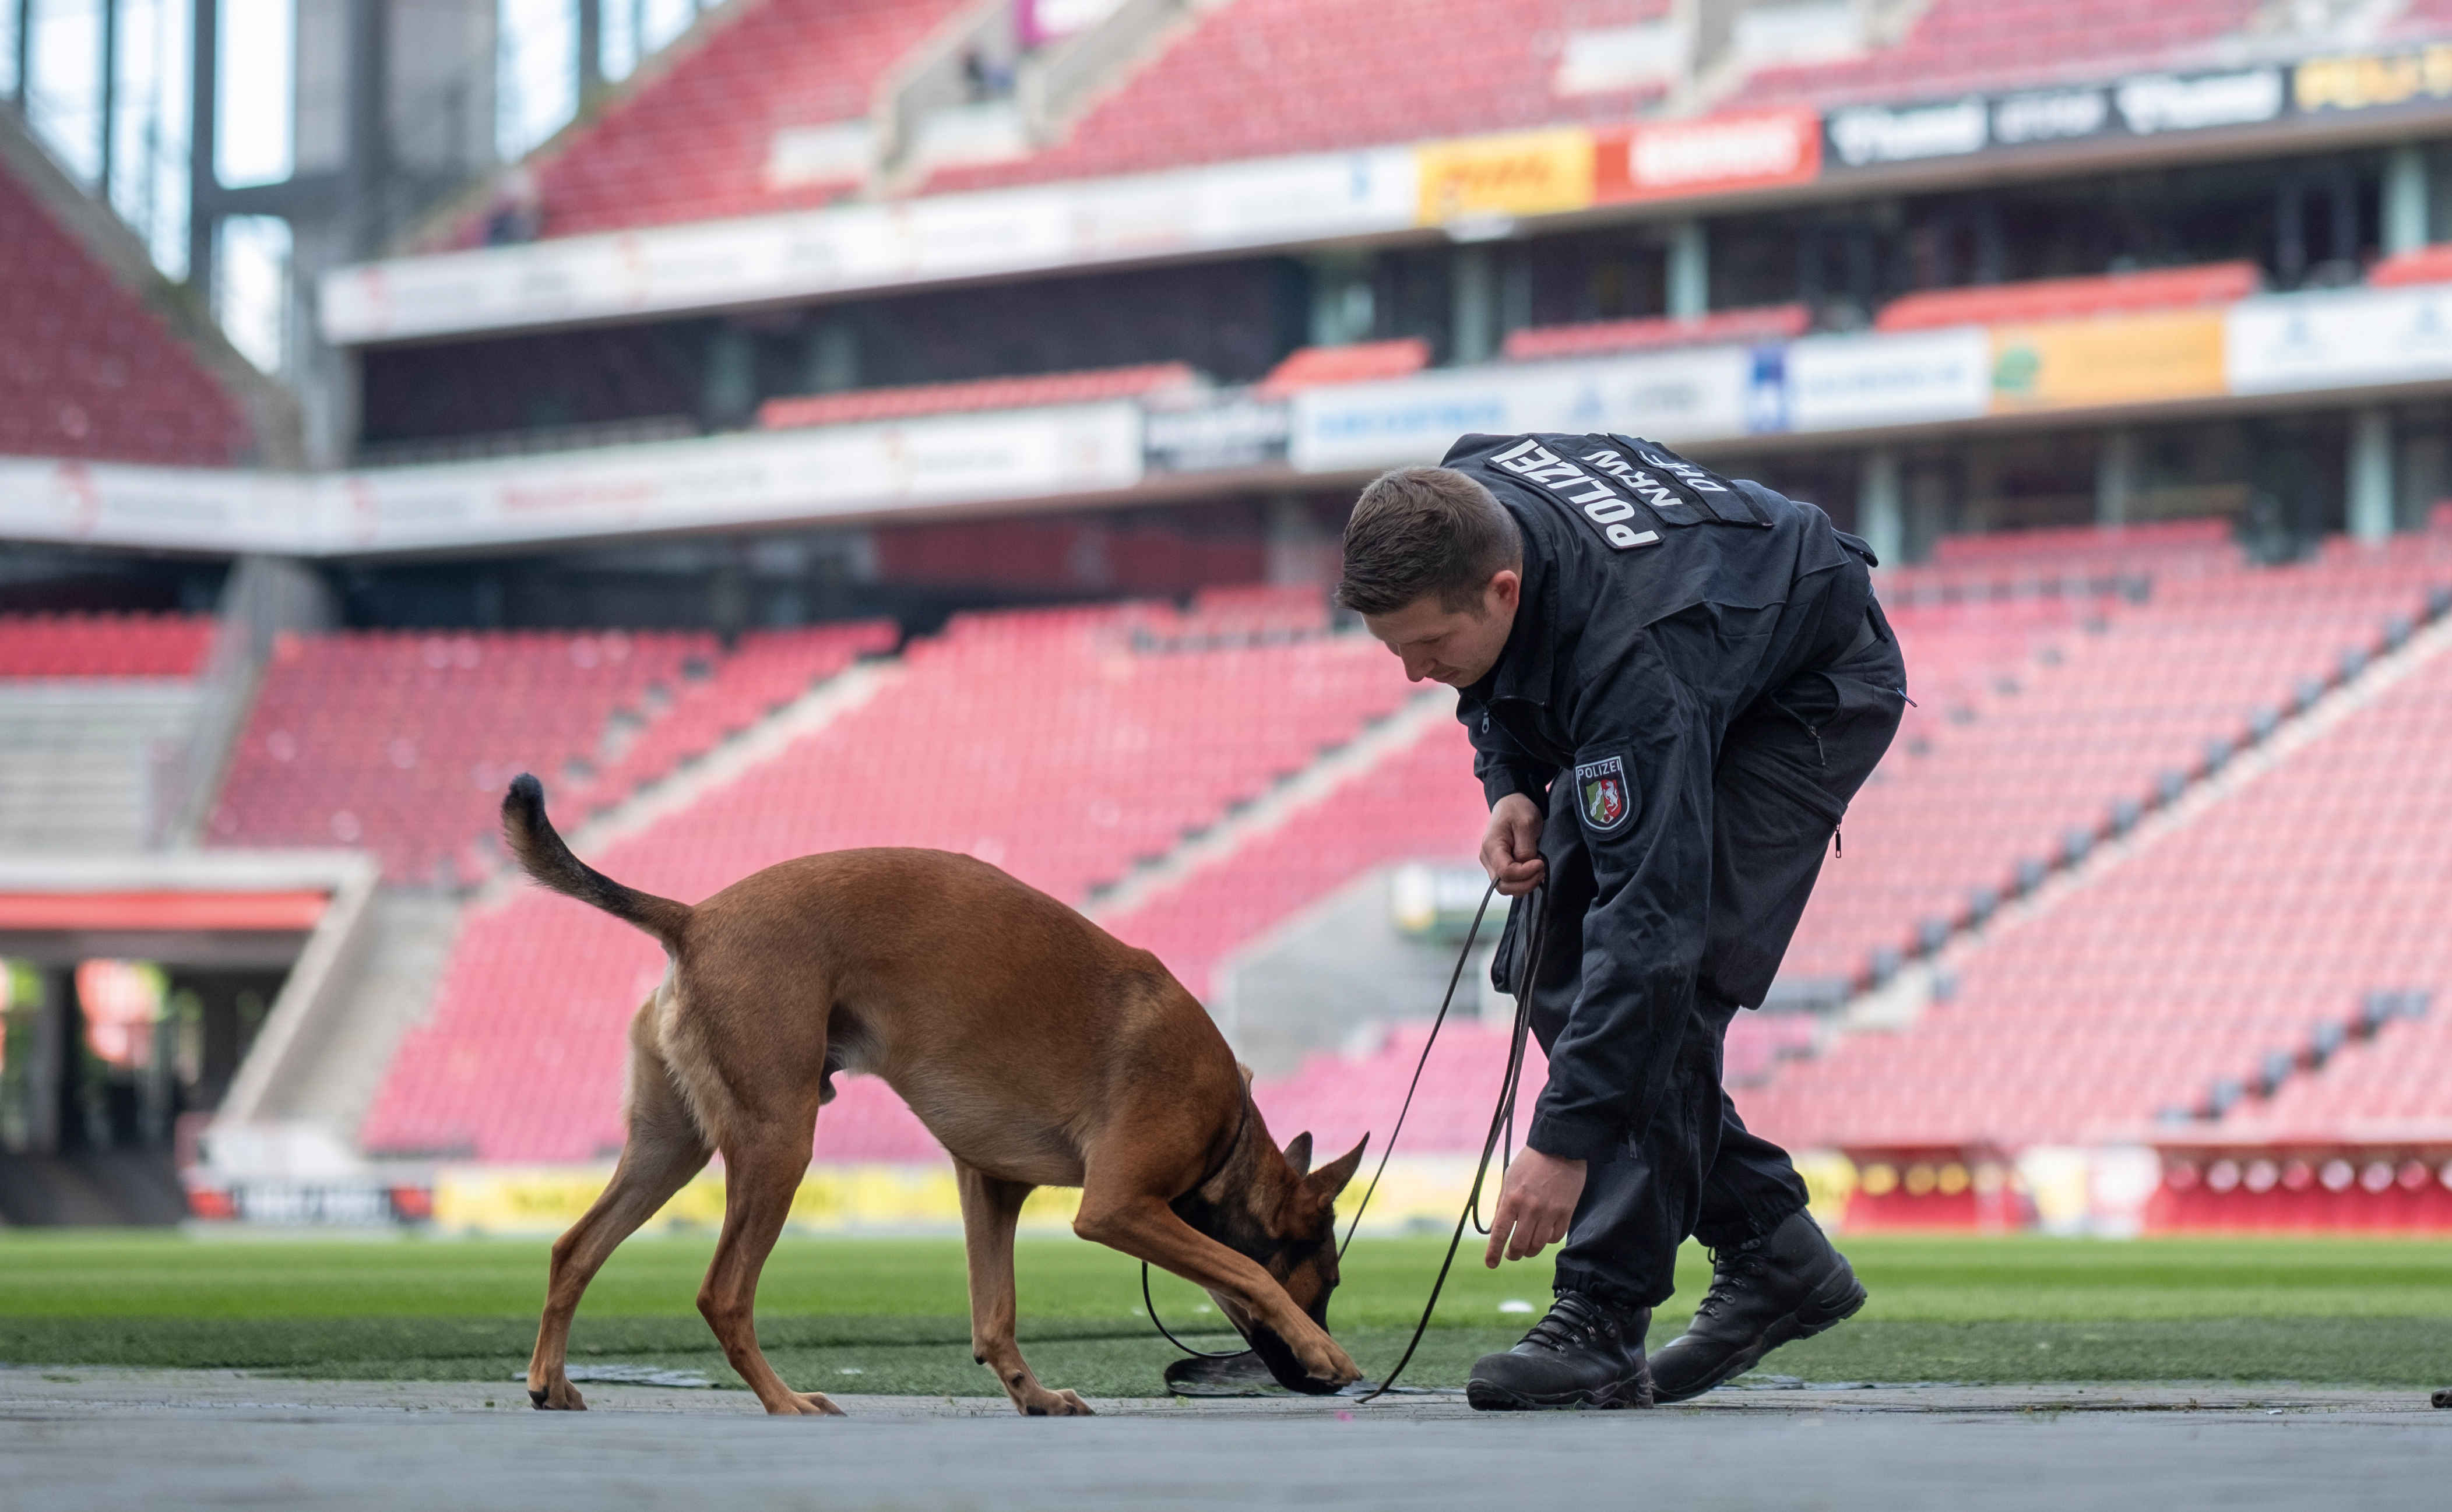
[1602, 795]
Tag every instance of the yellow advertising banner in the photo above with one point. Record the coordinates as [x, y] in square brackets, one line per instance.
[2111, 360]
[1515, 173]
[1418, 1194]
[2362, 81]
[832, 1199]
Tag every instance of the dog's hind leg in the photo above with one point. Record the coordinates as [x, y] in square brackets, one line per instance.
[762, 1166]
[664, 1149]
[990, 1210]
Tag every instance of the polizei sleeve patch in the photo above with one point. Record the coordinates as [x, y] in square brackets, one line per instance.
[1602, 796]
[1589, 496]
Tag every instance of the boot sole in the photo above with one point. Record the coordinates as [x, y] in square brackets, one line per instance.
[1838, 1300]
[1485, 1397]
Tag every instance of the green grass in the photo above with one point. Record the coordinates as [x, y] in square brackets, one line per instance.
[2375, 1312]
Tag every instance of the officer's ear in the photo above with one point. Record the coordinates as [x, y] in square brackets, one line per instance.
[1503, 591]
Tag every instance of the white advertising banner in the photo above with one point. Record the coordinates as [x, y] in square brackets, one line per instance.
[215, 509]
[771, 477]
[1867, 382]
[2350, 338]
[717, 265]
[1671, 397]
[776, 477]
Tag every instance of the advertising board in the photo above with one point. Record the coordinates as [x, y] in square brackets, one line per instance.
[1671, 397]
[2109, 359]
[1514, 173]
[1851, 383]
[806, 475]
[1867, 136]
[715, 264]
[1673, 159]
[2348, 339]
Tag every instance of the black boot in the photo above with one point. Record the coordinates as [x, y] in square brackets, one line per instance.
[1788, 1285]
[1582, 1355]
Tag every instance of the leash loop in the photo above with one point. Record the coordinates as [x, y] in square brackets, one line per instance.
[1501, 1117]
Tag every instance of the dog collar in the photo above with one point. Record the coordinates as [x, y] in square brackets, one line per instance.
[1242, 1126]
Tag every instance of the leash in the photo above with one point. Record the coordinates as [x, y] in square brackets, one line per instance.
[1502, 1119]
[1502, 1126]
[1390, 1148]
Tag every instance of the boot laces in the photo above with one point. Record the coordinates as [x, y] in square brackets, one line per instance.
[1733, 1271]
[1572, 1319]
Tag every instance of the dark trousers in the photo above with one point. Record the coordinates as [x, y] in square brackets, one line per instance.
[1787, 768]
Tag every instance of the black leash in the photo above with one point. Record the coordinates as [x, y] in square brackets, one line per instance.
[1501, 1118]
[1502, 1124]
[1390, 1148]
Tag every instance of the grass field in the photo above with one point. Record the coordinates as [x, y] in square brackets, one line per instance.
[887, 1315]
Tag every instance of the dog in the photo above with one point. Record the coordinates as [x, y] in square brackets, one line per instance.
[1040, 1051]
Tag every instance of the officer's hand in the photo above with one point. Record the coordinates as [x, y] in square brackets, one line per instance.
[1511, 848]
[1536, 1204]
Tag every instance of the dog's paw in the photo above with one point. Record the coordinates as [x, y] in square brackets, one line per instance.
[807, 1404]
[1328, 1366]
[1045, 1404]
[557, 1395]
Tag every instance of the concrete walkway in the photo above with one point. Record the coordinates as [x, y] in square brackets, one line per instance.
[107, 1439]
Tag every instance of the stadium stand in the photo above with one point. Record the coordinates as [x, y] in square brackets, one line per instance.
[401, 742]
[1420, 804]
[1063, 745]
[1360, 363]
[2162, 989]
[2428, 265]
[1654, 333]
[765, 671]
[2041, 710]
[88, 371]
[1963, 45]
[1261, 78]
[2056, 299]
[693, 142]
[86, 702]
[104, 645]
[913, 400]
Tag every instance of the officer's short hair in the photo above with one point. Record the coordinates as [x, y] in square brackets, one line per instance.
[1425, 530]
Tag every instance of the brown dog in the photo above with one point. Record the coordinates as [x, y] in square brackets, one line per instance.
[1040, 1049]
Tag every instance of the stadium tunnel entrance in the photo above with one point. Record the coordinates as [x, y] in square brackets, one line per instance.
[134, 992]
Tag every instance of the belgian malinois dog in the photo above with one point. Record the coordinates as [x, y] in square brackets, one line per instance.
[1040, 1051]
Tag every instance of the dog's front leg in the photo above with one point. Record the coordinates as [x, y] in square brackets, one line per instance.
[1145, 1228]
[990, 1210]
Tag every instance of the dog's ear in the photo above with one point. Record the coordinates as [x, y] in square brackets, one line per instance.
[1246, 1075]
[1331, 1178]
[1298, 1154]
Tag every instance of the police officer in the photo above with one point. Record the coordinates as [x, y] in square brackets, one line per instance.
[1673, 684]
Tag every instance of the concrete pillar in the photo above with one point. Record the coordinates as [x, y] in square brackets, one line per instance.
[2370, 482]
[1473, 285]
[2115, 476]
[1880, 516]
[1301, 553]
[1690, 270]
[47, 1070]
[1344, 307]
[2407, 214]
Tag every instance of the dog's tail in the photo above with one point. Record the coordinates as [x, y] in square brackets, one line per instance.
[544, 857]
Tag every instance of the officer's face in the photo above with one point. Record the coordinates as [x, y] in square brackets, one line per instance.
[1454, 646]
